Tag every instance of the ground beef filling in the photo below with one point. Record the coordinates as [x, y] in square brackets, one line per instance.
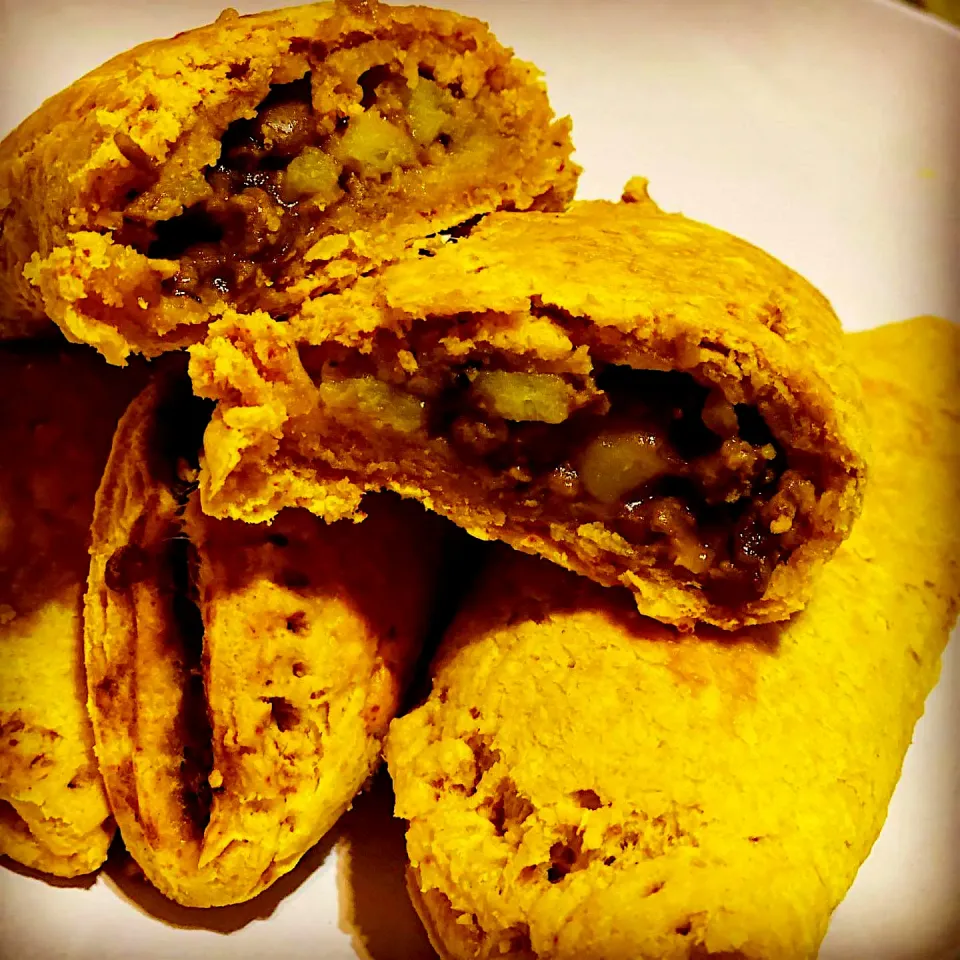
[663, 461]
[291, 176]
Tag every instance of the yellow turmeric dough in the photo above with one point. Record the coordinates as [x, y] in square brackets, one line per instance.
[58, 411]
[585, 783]
[641, 398]
[259, 161]
[241, 678]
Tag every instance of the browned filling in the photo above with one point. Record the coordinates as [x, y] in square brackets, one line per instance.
[656, 457]
[293, 175]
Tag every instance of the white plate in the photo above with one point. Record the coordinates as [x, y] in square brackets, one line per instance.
[827, 132]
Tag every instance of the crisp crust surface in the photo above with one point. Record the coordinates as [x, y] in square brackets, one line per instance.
[59, 409]
[657, 288]
[64, 180]
[227, 756]
[583, 783]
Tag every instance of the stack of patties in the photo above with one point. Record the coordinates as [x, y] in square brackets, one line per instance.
[667, 722]
[239, 678]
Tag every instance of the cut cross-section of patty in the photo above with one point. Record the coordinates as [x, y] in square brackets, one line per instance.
[638, 397]
[261, 161]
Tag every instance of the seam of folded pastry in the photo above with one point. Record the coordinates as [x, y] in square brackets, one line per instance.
[173, 119]
[157, 787]
[126, 624]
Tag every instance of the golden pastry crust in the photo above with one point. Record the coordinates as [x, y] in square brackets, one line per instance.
[582, 782]
[60, 408]
[601, 288]
[240, 678]
[85, 179]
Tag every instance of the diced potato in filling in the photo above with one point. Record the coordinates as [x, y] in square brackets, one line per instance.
[372, 145]
[431, 110]
[312, 174]
[380, 402]
[719, 415]
[617, 462]
[544, 397]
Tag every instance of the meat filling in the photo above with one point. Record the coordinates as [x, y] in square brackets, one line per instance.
[293, 175]
[699, 485]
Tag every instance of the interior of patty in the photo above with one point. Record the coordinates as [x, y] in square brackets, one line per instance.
[366, 137]
[688, 480]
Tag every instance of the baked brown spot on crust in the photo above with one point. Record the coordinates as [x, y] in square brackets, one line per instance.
[588, 799]
[485, 757]
[104, 692]
[297, 622]
[508, 807]
[567, 855]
